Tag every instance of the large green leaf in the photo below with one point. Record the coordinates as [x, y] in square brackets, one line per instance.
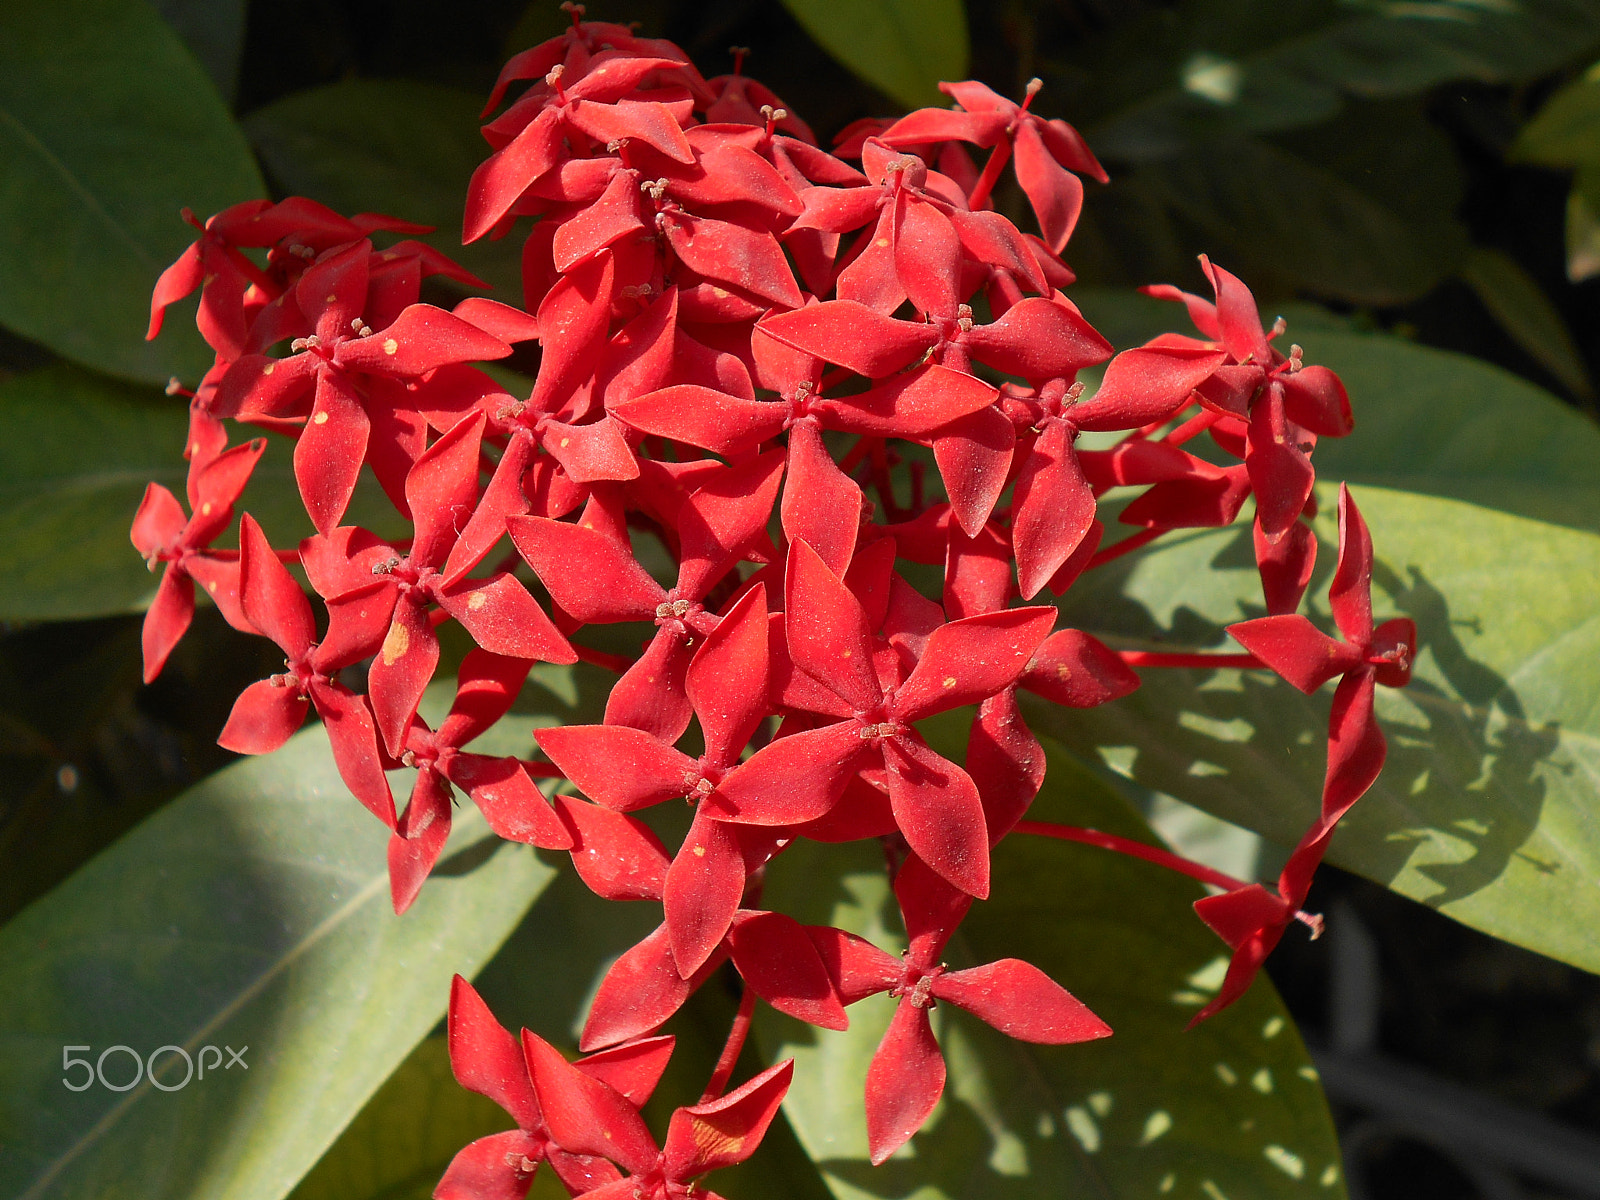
[1525, 312]
[80, 450]
[1566, 131]
[902, 47]
[108, 127]
[1485, 808]
[253, 911]
[214, 32]
[1225, 67]
[392, 146]
[1231, 1108]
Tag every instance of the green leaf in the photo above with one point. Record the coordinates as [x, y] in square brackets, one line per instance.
[392, 146]
[1484, 809]
[1361, 209]
[904, 48]
[1526, 313]
[108, 127]
[1566, 131]
[214, 32]
[1231, 1108]
[252, 911]
[80, 450]
[1230, 67]
[1427, 421]
[399, 1145]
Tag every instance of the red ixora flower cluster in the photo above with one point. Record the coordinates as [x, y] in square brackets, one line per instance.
[740, 336]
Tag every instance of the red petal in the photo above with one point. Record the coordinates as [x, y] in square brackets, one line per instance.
[927, 255]
[650, 122]
[442, 490]
[589, 575]
[1054, 509]
[852, 335]
[1285, 563]
[821, 505]
[159, 522]
[333, 290]
[215, 489]
[650, 695]
[354, 739]
[1296, 649]
[702, 417]
[974, 457]
[910, 406]
[1023, 1002]
[491, 1168]
[328, 456]
[1146, 385]
[619, 767]
[501, 500]
[1314, 397]
[610, 218]
[574, 318]
[793, 779]
[1038, 339]
[632, 1069]
[485, 1058]
[704, 885]
[939, 811]
[618, 857]
[584, 1115]
[270, 597]
[264, 717]
[503, 176]
[781, 964]
[503, 321]
[857, 968]
[1356, 748]
[728, 677]
[640, 991]
[970, 660]
[591, 453]
[504, 618]
[511, 802]
[904, 1082]
[827, 627]
[1055, 194]
[402, 671]
[1350, 594]
[420, 836]
[748, 259]
[1079, 671]
[1237, 317]
[722, 1132]
[1006, 763]
[421, 338]
[167, 619]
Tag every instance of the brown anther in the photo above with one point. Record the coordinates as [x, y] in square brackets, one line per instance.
[964, 318]
[408, 758]
[302, 251]
[385, 567]
[577, 10]
[704, 786]
[1074, 393]
[1035, 86]
[779, 114]
[174, 386]
[1296, 358]
[554, 74]
[1312, 921]
[920, 994]
[615, 145]
[654, 188]
[1278, 327]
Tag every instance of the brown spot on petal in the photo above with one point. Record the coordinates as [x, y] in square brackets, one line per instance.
[395, 644]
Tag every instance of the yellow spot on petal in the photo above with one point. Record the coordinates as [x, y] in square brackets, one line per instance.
[565, 442]
[845, 654]
[212, 586]
[205, 509]
[721, 293]
[1226, 1073]
[476, 601]
[1063, 671]
[395, 645]
[320, 419]
[1272, 1028]
[1155, 1125]
[1286, 1161]
[330, 298]
[882, 243]
[949, 681]
[699, 851]
[390, 345]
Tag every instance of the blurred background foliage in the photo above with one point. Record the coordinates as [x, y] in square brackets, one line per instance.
[1430, 168]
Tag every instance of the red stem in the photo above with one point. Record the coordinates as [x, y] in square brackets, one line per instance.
[610, 662]
[1152, 854]
[998, 157]
[1156, 658]
[1197, 424]
[1126, 546]
[732, 1048]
